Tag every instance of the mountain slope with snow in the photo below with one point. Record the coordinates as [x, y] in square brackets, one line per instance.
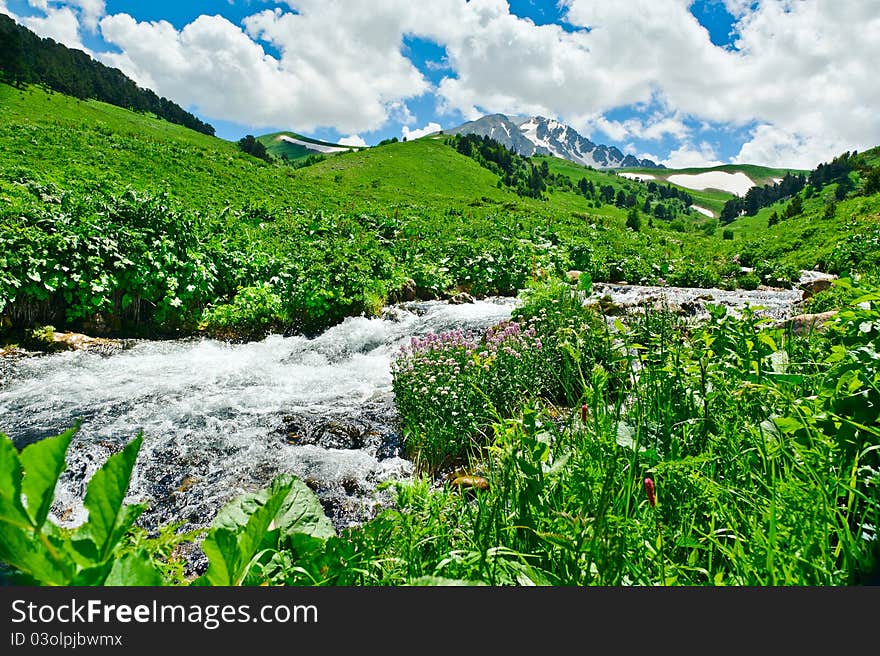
[537, 135]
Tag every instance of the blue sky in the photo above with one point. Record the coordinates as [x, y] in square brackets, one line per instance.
[685, 83]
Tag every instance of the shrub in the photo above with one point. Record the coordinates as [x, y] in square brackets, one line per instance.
[748, 281]
[253, 312]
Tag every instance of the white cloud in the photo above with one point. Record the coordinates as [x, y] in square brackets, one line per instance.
[91, 12]
[4, 10]
[803, 68]
[340, 66]
[353, 140]
[430, 128]
[773, 146]
[656, 127]
[688, 156]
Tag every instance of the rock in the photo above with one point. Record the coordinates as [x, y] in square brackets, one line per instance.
[813, 287]
[187, 483]
[372, 429]
[80, 342]
[573, 276]
[609, 308]
[461, 299]
[406, 294]
[691, 308]
[471, 482]
[803, 324]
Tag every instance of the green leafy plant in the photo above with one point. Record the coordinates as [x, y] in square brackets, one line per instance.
[47, 554]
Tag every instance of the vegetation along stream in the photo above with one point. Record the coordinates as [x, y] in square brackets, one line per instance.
[220, 419]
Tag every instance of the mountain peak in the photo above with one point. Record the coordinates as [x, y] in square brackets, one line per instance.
[539, 135]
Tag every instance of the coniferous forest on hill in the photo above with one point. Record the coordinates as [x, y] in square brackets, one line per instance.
[25, 58]
[579, 441]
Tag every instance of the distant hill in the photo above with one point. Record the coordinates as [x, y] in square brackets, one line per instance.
[293, 147]
[25, 58]
[711, 187]
[134, 206]
[537, 135]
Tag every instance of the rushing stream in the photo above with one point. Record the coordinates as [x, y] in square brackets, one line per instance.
[220, 419]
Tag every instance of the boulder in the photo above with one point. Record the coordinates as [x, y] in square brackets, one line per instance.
[803, 324]
[471, 483]
[574, 276]
[80, 342]
[461, 299]
[406, 294]
[813, 287]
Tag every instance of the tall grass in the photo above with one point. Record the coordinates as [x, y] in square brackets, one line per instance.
[762, 447]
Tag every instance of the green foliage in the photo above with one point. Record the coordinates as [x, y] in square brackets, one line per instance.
[762, 446]
[451, 388]
[749, 280]
[246, 535]
[253, 312]
[248, 144]
[634, 219]
[25, 58]
[872, 182]
[43, 553]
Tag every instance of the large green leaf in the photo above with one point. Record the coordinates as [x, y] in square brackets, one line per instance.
[108, 518]
[38, 557]
[237, 533]
[11, 509]
[134, 569]
[43, 463]
[302, 512]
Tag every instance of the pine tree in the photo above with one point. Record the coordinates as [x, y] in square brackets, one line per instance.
[634, 219]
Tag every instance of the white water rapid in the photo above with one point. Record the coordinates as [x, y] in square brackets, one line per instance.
[221, 419]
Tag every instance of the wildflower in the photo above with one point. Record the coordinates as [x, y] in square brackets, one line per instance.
[649, 490]
[584, 413]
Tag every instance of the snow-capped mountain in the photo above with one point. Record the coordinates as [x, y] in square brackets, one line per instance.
[537, 135]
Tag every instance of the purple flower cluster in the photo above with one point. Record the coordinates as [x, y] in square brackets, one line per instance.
[433, 342]
[458, 349]
[502, 335]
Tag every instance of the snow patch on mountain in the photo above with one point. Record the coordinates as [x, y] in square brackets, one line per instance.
[734, 183]
[536, 135]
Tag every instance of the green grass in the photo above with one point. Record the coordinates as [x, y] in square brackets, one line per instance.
[336, 238]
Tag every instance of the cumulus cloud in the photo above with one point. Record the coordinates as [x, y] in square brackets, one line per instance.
[338, 68]
[689, 156]
[91, 12]
[430, 128]
[654, 128]
[353, 140]
[800, 69]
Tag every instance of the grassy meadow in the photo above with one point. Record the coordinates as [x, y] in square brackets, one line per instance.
[560, 448]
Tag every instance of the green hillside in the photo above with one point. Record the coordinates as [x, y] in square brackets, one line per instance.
[714, 199]
[279, 147]
[186, 231]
